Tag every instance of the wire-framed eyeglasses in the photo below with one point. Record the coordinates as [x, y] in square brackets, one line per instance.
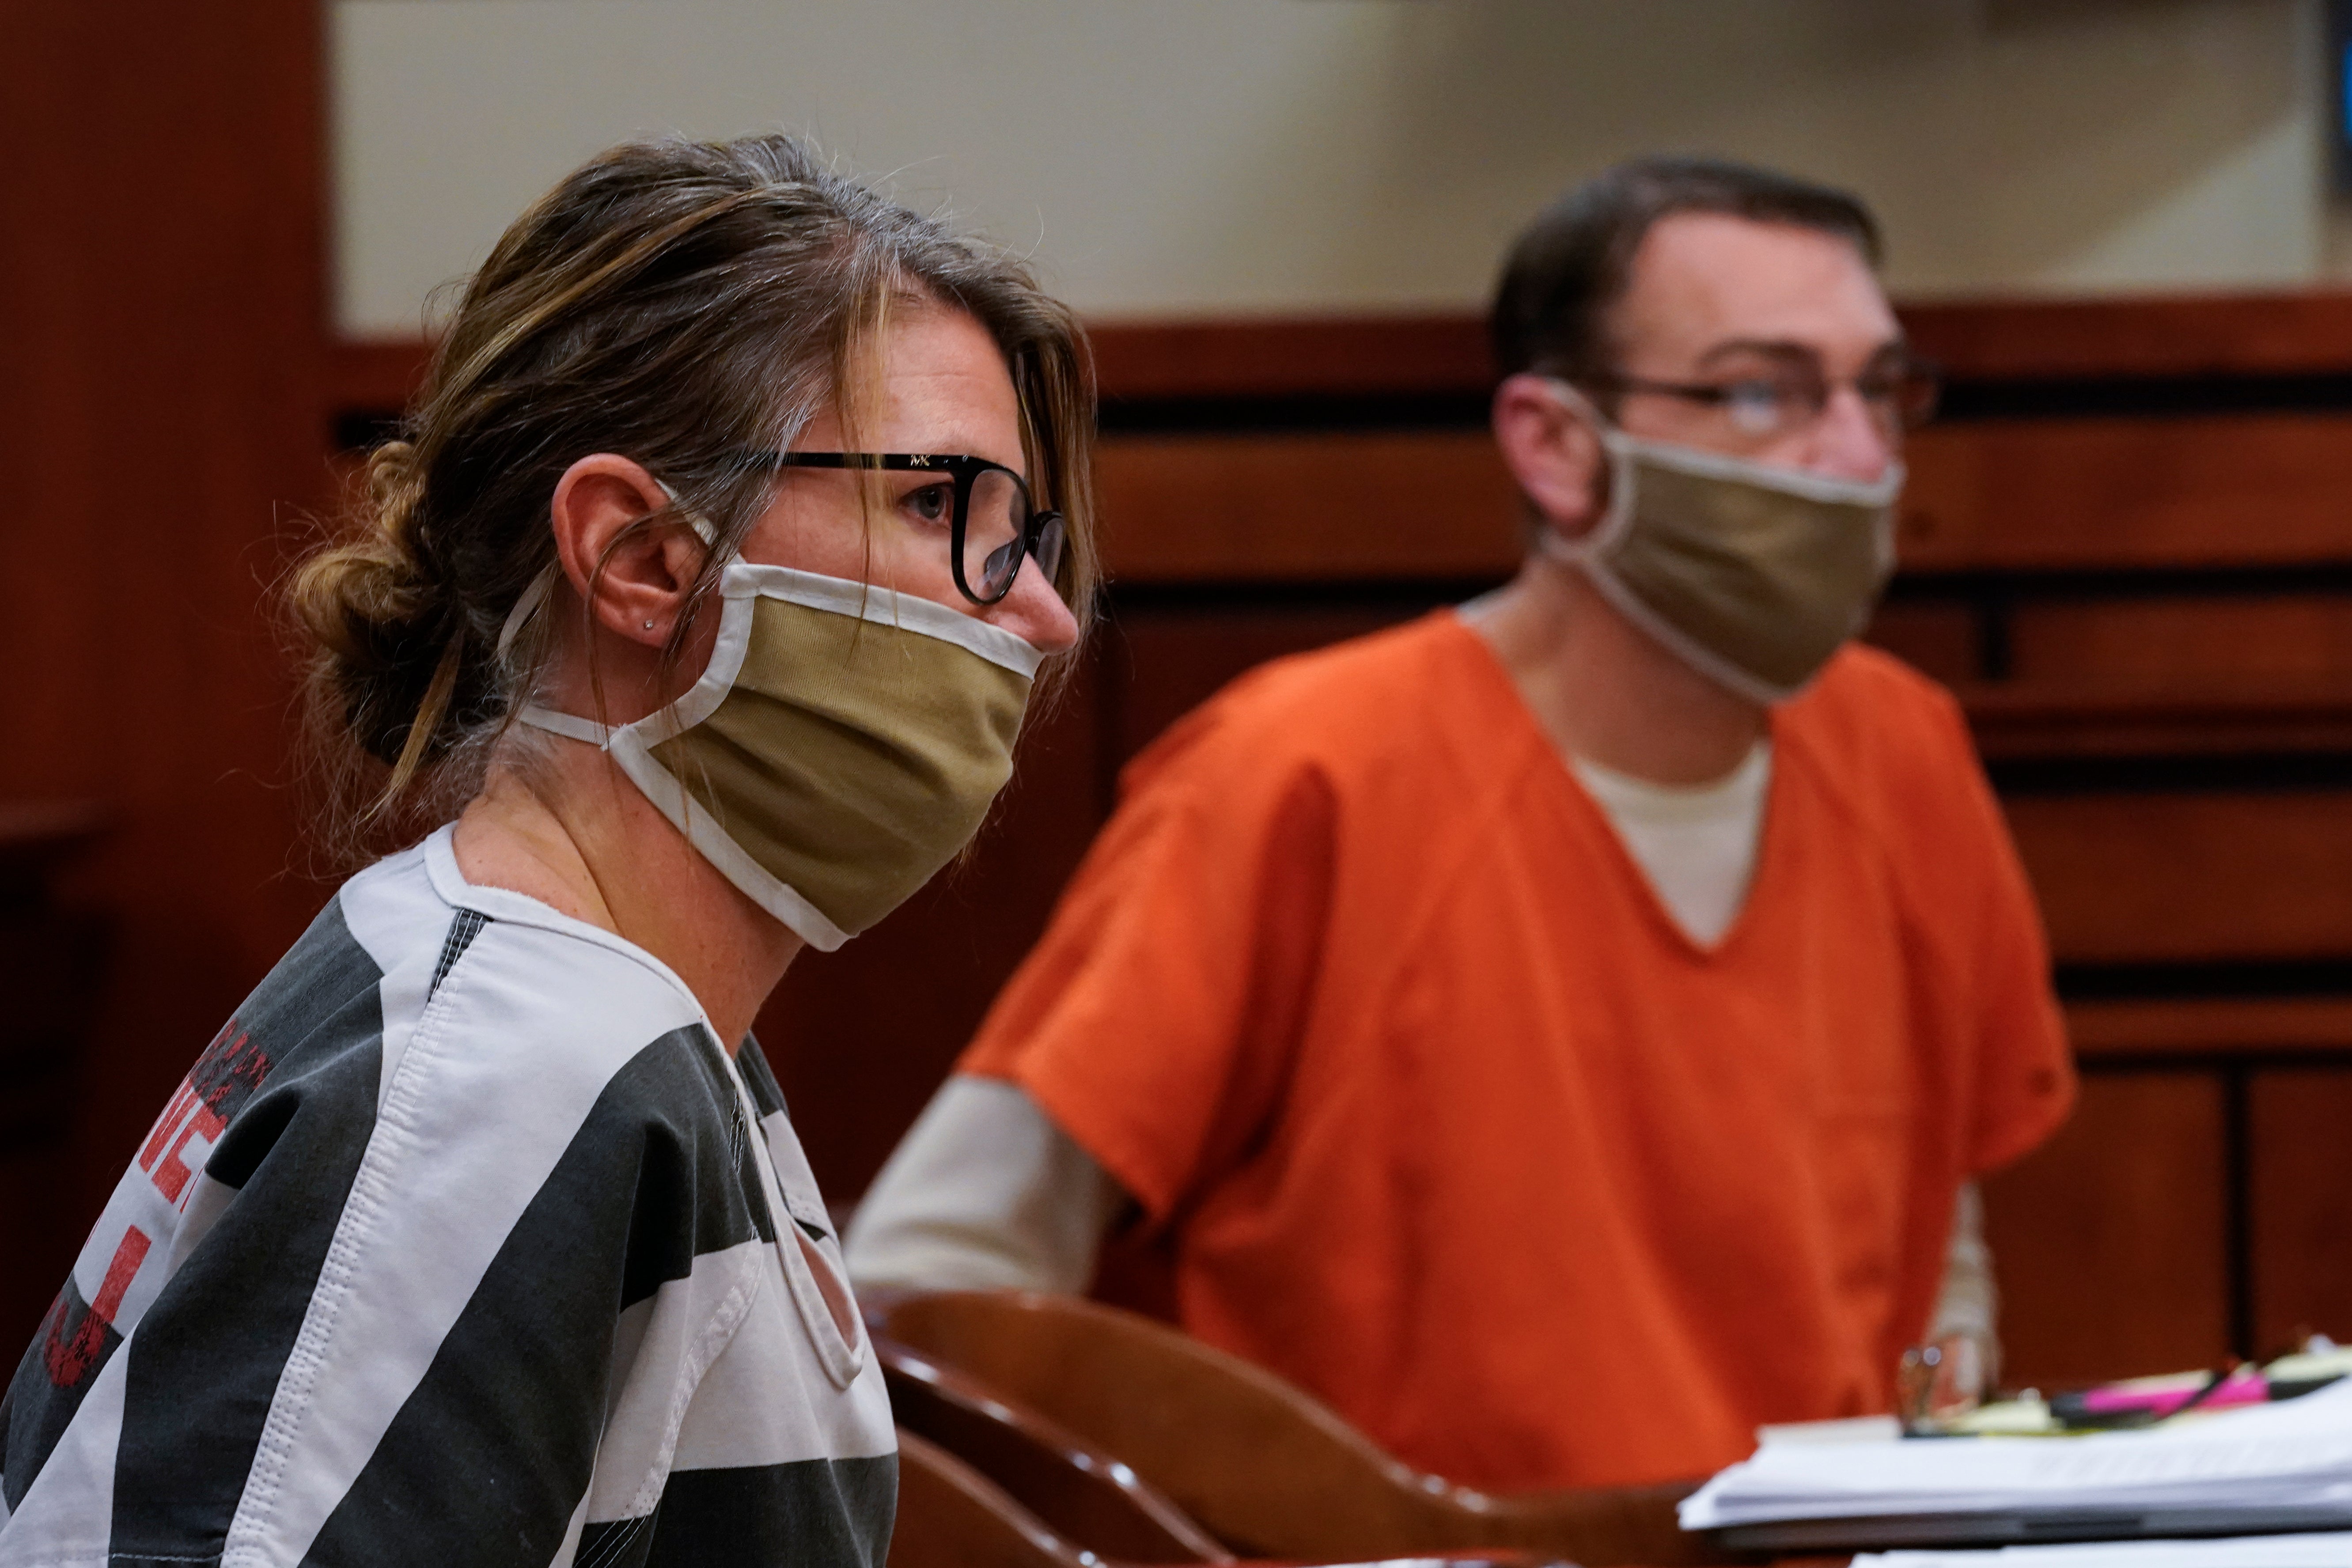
[1900, 395]
[991, 525]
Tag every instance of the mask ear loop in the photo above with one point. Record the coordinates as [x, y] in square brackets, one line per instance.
[527, 604]
[1618, 515]
[694, 520]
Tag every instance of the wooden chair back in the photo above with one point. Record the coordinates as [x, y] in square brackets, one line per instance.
[951, 1516]
[1267, 1470]
[1082, 1494]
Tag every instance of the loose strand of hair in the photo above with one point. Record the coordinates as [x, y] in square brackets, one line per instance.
[430, 712]
[858, 350]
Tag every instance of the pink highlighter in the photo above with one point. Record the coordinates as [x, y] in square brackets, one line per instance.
[2140, 1401]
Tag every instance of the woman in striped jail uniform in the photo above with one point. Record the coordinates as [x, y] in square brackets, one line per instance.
[694, 615]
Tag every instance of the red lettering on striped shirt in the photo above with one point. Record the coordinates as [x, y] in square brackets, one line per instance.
[120, 1272]
[227, 1060]
[70, 1356]
[174, 1114]
[172, 1176]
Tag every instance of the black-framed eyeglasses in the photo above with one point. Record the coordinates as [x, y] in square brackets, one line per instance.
[991, 525]
[1900, 395]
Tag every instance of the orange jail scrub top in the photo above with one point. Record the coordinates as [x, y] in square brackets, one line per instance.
[1445, 1120]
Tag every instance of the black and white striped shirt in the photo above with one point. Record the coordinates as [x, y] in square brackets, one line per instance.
[456, 1246]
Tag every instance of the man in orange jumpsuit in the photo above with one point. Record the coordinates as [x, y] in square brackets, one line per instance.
[1561, 1033]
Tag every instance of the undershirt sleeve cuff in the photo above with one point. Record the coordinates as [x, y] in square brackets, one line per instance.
[1121, 1158]
[985, 1193]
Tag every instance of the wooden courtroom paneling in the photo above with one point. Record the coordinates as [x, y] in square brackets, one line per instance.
[2166, 876]
[2289, 332]
[1992, 494]
[2174, 639]
[1312, 507]
[2156, 719]
[2067, 493]
[2301, 1180]
[2044, 495]
[1945, 640]
[52, 957]
[1166, 662]
[374, 375]
[2282, 333]
[161, 420]
[2211, 1026]
[2172, 335]
[2109, 1239]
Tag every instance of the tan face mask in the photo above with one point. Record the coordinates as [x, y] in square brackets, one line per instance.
[1754, 575]
[843, 745]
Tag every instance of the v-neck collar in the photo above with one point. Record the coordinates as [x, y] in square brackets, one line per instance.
[1762, 878]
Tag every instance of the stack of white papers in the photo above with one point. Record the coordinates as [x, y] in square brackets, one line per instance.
[2294, 1456]
[2332, 1549]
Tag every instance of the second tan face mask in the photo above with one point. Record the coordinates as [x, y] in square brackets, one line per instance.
[1752, 574]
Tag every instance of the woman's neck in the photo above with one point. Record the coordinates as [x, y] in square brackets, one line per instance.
[574, 833]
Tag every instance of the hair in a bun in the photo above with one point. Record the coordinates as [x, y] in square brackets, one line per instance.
[373, 610]
[680, 303]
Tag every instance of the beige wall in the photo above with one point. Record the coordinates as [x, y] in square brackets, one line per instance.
[1162, 157]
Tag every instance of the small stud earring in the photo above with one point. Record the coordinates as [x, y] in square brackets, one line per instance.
[649, 626]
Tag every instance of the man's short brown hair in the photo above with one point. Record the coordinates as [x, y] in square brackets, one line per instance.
[1572, 264]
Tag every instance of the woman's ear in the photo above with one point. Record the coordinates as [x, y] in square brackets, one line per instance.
[641, 575]
[1552, 450]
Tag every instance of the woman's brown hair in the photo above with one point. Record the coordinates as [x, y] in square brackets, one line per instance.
[683, 304]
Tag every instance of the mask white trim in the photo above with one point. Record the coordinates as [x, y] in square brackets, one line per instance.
[1880, 491]
[631, 752]
[839, 595]
[570, 724]
[755, 881]
[885, 607]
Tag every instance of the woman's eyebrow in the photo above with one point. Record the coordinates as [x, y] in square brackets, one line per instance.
[961, 443]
